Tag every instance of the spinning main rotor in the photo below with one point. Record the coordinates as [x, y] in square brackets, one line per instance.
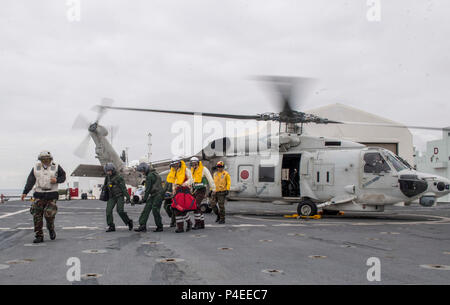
[285, 87]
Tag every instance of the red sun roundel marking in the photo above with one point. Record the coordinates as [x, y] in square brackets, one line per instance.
[245, 174]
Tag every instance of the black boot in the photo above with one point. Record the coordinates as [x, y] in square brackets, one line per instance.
[158, 229]
[189, 225]
[52, 234]
[218, 218]
[142, 228]
[130, 225]
[180, 227]
[197, 225]
[202, 224]
[111, 228]
[38, 239]
[172, 223]
[221, 221]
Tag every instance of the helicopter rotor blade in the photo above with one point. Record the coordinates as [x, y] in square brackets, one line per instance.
[102, 108]
[390, 125]
[112, 131]
[81, 150]
[80, 123]
[218, 115]
[290, 89]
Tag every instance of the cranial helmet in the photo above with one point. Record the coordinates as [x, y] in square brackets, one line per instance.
[220, 164]
[109, 167]
[45, 154]
[175, 161]
[194, 160]
[143, 167]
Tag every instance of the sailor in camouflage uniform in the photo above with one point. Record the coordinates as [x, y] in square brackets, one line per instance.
[117, 190]
[46, 175]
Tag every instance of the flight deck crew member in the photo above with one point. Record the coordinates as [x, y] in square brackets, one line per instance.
[153, 198]
[168, 202]
[202, 177]
[180, 176]
[117, 190]
[222, 182]
[46, 175]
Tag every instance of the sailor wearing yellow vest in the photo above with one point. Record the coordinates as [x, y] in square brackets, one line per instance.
[180, 175]
[202, 178]
[222, 182]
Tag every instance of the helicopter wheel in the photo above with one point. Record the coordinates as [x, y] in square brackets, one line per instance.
[307, 208]
[205, 208]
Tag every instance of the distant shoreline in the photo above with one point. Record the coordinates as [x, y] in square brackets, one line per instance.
[11, 192]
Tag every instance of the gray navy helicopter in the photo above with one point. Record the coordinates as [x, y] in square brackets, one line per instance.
[319, 173]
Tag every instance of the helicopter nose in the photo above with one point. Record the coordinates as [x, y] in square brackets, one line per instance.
[442, 185]
[438, 185]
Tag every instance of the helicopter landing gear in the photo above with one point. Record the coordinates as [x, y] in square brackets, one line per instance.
[205, 208]
[307, 208]
[330, 212]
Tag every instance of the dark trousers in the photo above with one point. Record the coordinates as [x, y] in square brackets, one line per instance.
[119, 201]
[218, 204]
[199, 195]
[153, 205]
[169, 211]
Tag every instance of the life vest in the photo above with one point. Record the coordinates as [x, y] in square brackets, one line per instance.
[222, 181]
[183, 200]
[177, 176]
[197, 174]
[200, 181]
[43, 176]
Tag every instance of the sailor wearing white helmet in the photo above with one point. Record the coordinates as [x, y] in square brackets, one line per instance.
[45, 176]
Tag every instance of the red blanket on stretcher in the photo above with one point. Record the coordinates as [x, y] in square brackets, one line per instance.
[183, 200]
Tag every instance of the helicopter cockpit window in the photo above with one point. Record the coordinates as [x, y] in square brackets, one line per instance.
[396, 162]
[374, 163]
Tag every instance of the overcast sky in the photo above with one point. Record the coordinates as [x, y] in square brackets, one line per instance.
[199, 55]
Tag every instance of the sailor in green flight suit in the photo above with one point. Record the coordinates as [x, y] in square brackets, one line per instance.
[153, 198]
[117, 191]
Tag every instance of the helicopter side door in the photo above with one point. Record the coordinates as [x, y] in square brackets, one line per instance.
[246, 180]
[376, 171]
[379, 182]
[254, 178]
[290, 175]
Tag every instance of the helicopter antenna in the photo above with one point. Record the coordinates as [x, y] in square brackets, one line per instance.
[149, 146]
